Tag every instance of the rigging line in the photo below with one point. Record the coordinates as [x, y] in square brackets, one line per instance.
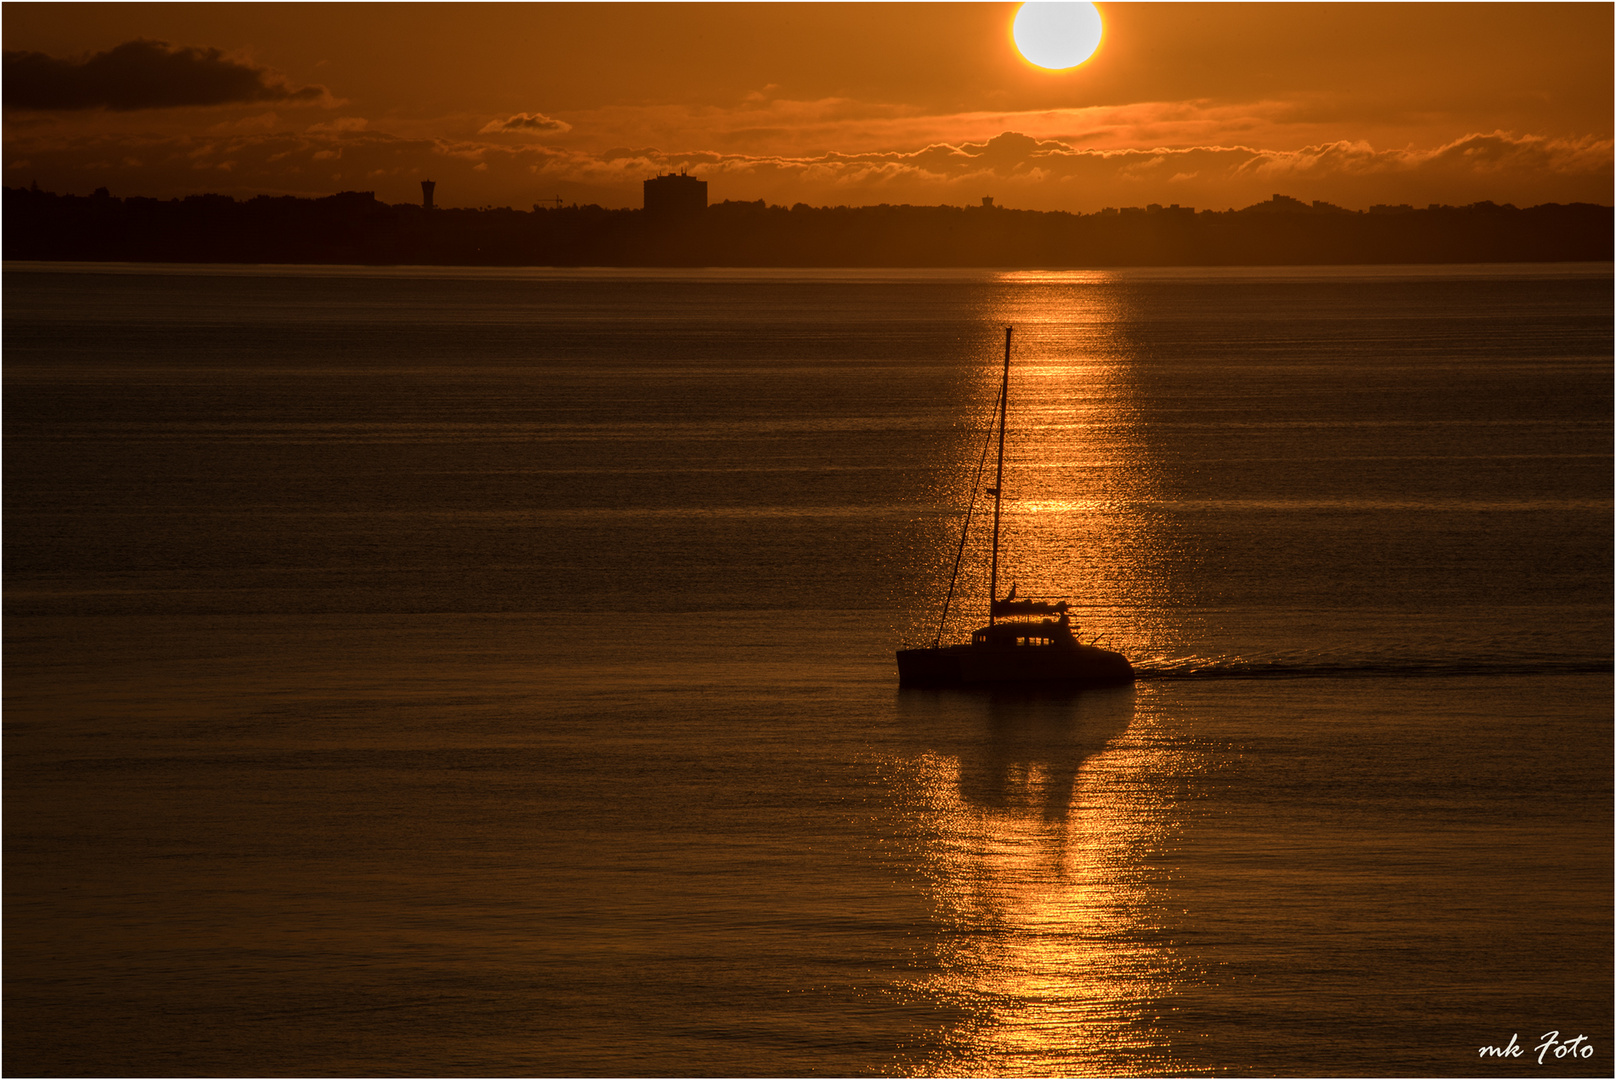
[965, 529]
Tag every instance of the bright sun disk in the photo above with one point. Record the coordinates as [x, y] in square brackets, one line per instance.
[1057, 35]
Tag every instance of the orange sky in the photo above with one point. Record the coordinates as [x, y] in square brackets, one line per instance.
[1205, 105]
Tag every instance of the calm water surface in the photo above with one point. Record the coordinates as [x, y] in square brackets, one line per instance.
[489, 672]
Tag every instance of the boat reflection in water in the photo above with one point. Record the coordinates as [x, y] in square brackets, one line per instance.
[1047, 789]
[1040, 831]
[1021, 651]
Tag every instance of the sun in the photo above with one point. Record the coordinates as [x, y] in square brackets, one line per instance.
[1057, 35]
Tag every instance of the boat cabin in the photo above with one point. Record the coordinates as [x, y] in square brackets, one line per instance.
[1033, 634]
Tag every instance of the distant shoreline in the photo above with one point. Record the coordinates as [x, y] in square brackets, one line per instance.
[1570, 270]
[353, 228]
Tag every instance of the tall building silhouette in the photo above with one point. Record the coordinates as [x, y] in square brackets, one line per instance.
[427, 187]
[675, 195]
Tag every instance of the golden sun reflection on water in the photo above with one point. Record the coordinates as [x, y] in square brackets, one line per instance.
[1045, 827]
[1081, 519]
[1044, 839]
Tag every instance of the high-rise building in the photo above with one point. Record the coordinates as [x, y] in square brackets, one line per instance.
[675, 195]
[427, 187]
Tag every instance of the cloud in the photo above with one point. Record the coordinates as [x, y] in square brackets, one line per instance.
[268, 121]
[142, 75]
[1501, 152]
[1495, 156]
[526, 124]
[342, 123]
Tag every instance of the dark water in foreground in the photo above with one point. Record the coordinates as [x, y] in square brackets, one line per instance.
[491, 673]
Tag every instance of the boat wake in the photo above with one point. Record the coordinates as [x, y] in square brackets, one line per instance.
[1237, 667]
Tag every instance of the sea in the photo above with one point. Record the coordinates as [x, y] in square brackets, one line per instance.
[433, 671]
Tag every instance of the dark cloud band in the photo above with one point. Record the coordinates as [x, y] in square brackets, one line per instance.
[142, 75]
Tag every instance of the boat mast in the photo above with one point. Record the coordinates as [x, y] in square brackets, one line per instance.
[998, 482]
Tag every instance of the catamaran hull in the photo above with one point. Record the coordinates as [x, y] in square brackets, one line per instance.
[978, 665]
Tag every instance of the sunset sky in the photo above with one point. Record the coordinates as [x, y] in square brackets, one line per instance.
[1212, 106]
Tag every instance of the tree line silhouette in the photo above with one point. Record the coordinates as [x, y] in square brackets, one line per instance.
[353, 227]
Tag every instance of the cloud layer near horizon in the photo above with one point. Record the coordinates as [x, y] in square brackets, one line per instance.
[1019, 170]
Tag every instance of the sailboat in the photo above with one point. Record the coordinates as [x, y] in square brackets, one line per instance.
[1026, 642]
